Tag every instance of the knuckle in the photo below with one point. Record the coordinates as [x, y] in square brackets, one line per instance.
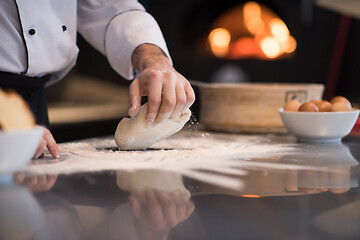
[42, 144]
[187, 84]
[191, 98]
[154, 102]
[154, 75]
[169, 102]
[47, 132]
[181, 101]
[169, 74]
[52, 144]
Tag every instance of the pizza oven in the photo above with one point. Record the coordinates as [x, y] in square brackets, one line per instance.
[262, 41]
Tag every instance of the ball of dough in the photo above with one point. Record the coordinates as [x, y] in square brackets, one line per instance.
[137, 182]
[136, 133]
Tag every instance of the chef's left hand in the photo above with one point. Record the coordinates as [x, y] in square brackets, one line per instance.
[48, 142]
[35, 183]
[168, 91]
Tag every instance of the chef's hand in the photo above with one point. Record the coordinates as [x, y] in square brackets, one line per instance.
[48, 142]
[35, 183]
[168, 91]
[158, 213]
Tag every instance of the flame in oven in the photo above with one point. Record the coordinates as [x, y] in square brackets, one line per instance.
[250, 30]
[219, 39]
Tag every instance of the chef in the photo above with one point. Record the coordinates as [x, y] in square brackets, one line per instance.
[38, 48]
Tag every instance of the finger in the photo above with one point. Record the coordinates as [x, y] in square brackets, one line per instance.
[44, 183]
[180, 100]
[190, 96]
[169, 209]
[154, 209]
[135, 97]
[18, 177]
[51, 144]
[50, 179]
[135, 205]
[168, 102]
[154, 99]
[181, 206]
[41, 179]
[30, 181]
[40, 149]
[189, 210]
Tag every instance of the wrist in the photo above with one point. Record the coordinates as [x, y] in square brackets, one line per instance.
[148, 55]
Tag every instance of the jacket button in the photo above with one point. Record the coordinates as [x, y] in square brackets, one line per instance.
[32, 31]
[64, 28]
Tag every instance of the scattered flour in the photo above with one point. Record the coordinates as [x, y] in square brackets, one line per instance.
[200, 155]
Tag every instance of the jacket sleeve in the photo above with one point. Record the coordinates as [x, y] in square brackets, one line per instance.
[116, 28]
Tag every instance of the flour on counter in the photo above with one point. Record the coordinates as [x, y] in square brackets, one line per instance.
[216, 155]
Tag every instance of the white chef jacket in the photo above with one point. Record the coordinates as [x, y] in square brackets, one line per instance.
[38, 37]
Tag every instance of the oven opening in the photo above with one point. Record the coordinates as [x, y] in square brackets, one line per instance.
[250, 30]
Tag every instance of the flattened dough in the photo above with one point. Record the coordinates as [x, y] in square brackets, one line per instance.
[135, 133]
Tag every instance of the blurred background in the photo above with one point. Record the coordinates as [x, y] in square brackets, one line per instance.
[295, 41]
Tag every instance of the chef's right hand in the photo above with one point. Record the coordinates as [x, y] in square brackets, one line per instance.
[158, 213]
[167, 90]
[48, 142]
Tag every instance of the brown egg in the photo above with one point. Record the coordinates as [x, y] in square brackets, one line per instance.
[308, 107]
[323, 106]
[339, 190]
[292, 106]
[341, 106]
[339, 99]
[316, 101]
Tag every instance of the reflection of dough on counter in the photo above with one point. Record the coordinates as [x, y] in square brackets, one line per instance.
[166, 182]
[136, 133]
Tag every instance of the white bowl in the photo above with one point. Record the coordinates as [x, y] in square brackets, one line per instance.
[319, 126]
[17, 148]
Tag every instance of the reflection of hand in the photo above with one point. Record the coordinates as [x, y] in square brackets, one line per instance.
[158, 213]
[35, 183]
[335, 180]
[48, 142]
[167, 90]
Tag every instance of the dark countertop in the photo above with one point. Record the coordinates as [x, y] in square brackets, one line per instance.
[308, 192]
